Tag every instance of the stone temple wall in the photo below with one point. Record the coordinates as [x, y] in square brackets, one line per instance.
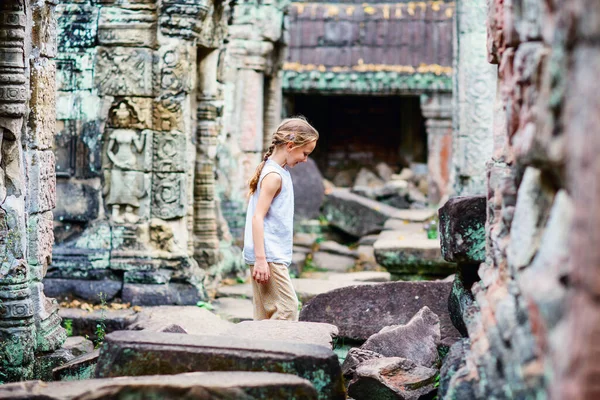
[138, 111]
[29, 323]
[535, 323]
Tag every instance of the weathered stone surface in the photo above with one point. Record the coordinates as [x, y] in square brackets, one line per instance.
[79, 368]
[332, 247]
[42, 182]
[462, 229]
[333, 262]
[156, 295]
[405, 254]
[417, 340]
[194, 320]
[354, 358]
[186, 353]
[40, 239]
[309, 191]
[455, 360]
[78, 345]
[84, 322]
[84, 289]
[392, 378]
[197, 385]
[361, 311]
[285, 331]
[77, 201]
[461, 304]
[234, 310]
[355, 215]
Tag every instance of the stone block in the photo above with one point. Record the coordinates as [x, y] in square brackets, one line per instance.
[454, 361]
[251, 84]
[77, 26]
[355, 215]
[199, 385]
[40, 238]
[175, 68]
[87, 290]
[411, 255]
[119, 26]
[78, 345]
[168, 113]
[122, 71]
[462, 229]
[83, 323]
[333, 262]
[79, 368]
[40, 133]
[41, 181]
[187, 353]
[286, 331]
[195, 320]
[157, 295]
[309, 191]
[131, 113]
[169, 152]
[417, 340]
[392, 378]
[361, 311]
[77, 201]
[43, 32]
[159, 277]
[461, 304]
[169, 195]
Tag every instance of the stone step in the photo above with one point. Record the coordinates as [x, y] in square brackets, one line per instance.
[410, 255]
[306, 288]
[193, 319]
[286, 331]
[361, 311]
[84, 322]
[128, 353]
[82, 367]
[234, 309]
[200, 385]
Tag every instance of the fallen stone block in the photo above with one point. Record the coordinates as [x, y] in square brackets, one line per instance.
[84, 322]
[354, 214]
[158, 295]
[333, 262]
[461, 304]
[79, 368]
[128, 353]
[462, 229]
[286, 331]
[354, 358]
[308, 190]
[416, 341]
[329, 246]
[362, 310]
[234, 310]
[196, 385]
[392, 378]
[409, 255]
[454, 361]
[192, 319]
[87, 290]
[78, 345]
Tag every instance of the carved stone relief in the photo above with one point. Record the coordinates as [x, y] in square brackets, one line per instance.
[168, 195]
[168, 114]
[169, 152]
[131, 113]
[124, 71]
[175, 64]
[129, 27]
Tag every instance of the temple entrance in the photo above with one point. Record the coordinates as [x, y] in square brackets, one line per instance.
[362, 131]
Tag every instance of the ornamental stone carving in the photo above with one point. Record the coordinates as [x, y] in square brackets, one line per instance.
[122, 71]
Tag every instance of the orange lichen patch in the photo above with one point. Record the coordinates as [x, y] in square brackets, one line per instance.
[332, 11]
[368, 9]
[82, 305]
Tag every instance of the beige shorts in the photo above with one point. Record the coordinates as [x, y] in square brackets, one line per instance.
[277, 298]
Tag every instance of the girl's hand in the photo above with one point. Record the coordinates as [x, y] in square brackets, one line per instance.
[261, 273]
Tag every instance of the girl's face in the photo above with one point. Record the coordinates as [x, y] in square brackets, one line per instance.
[296, 155]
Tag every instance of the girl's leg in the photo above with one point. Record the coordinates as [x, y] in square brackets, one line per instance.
[282, 296]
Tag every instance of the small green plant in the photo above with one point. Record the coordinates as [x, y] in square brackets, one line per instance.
[299, 305]
[205, 304]
[68, 325]
[323, 220]
[101, 325]
[240, 280]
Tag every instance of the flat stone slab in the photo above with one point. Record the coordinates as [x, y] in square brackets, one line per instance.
[286, 331]
[84, 322]
[404, 254]
[462, 229]
[193, 319]
[197, 385]
[128, 353]
[82, 367]
[234, 309]
[360, 276]
[361, 311]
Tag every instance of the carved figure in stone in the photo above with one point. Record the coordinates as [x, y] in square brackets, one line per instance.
[10, 175]
[126, 184]
[122, 116]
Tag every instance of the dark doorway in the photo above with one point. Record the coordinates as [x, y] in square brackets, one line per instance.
[362, 131]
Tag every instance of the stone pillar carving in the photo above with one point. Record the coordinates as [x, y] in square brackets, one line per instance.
[474, 92]
[437, 110]
[29, 322]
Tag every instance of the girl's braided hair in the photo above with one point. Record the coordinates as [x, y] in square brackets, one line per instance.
[295, 130]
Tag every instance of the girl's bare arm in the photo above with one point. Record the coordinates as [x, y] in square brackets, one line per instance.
[269, 188]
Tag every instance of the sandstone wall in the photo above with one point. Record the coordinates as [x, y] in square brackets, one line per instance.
[29, 323]
[535, 325]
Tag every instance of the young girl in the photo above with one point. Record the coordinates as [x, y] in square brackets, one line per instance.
[270, 219]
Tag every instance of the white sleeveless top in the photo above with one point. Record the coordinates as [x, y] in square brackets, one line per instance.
[278, 223]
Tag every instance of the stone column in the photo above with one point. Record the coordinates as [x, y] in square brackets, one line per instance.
[437, 110]
[474, 92]
[28, 320]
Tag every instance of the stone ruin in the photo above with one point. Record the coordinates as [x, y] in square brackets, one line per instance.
[152, 100]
